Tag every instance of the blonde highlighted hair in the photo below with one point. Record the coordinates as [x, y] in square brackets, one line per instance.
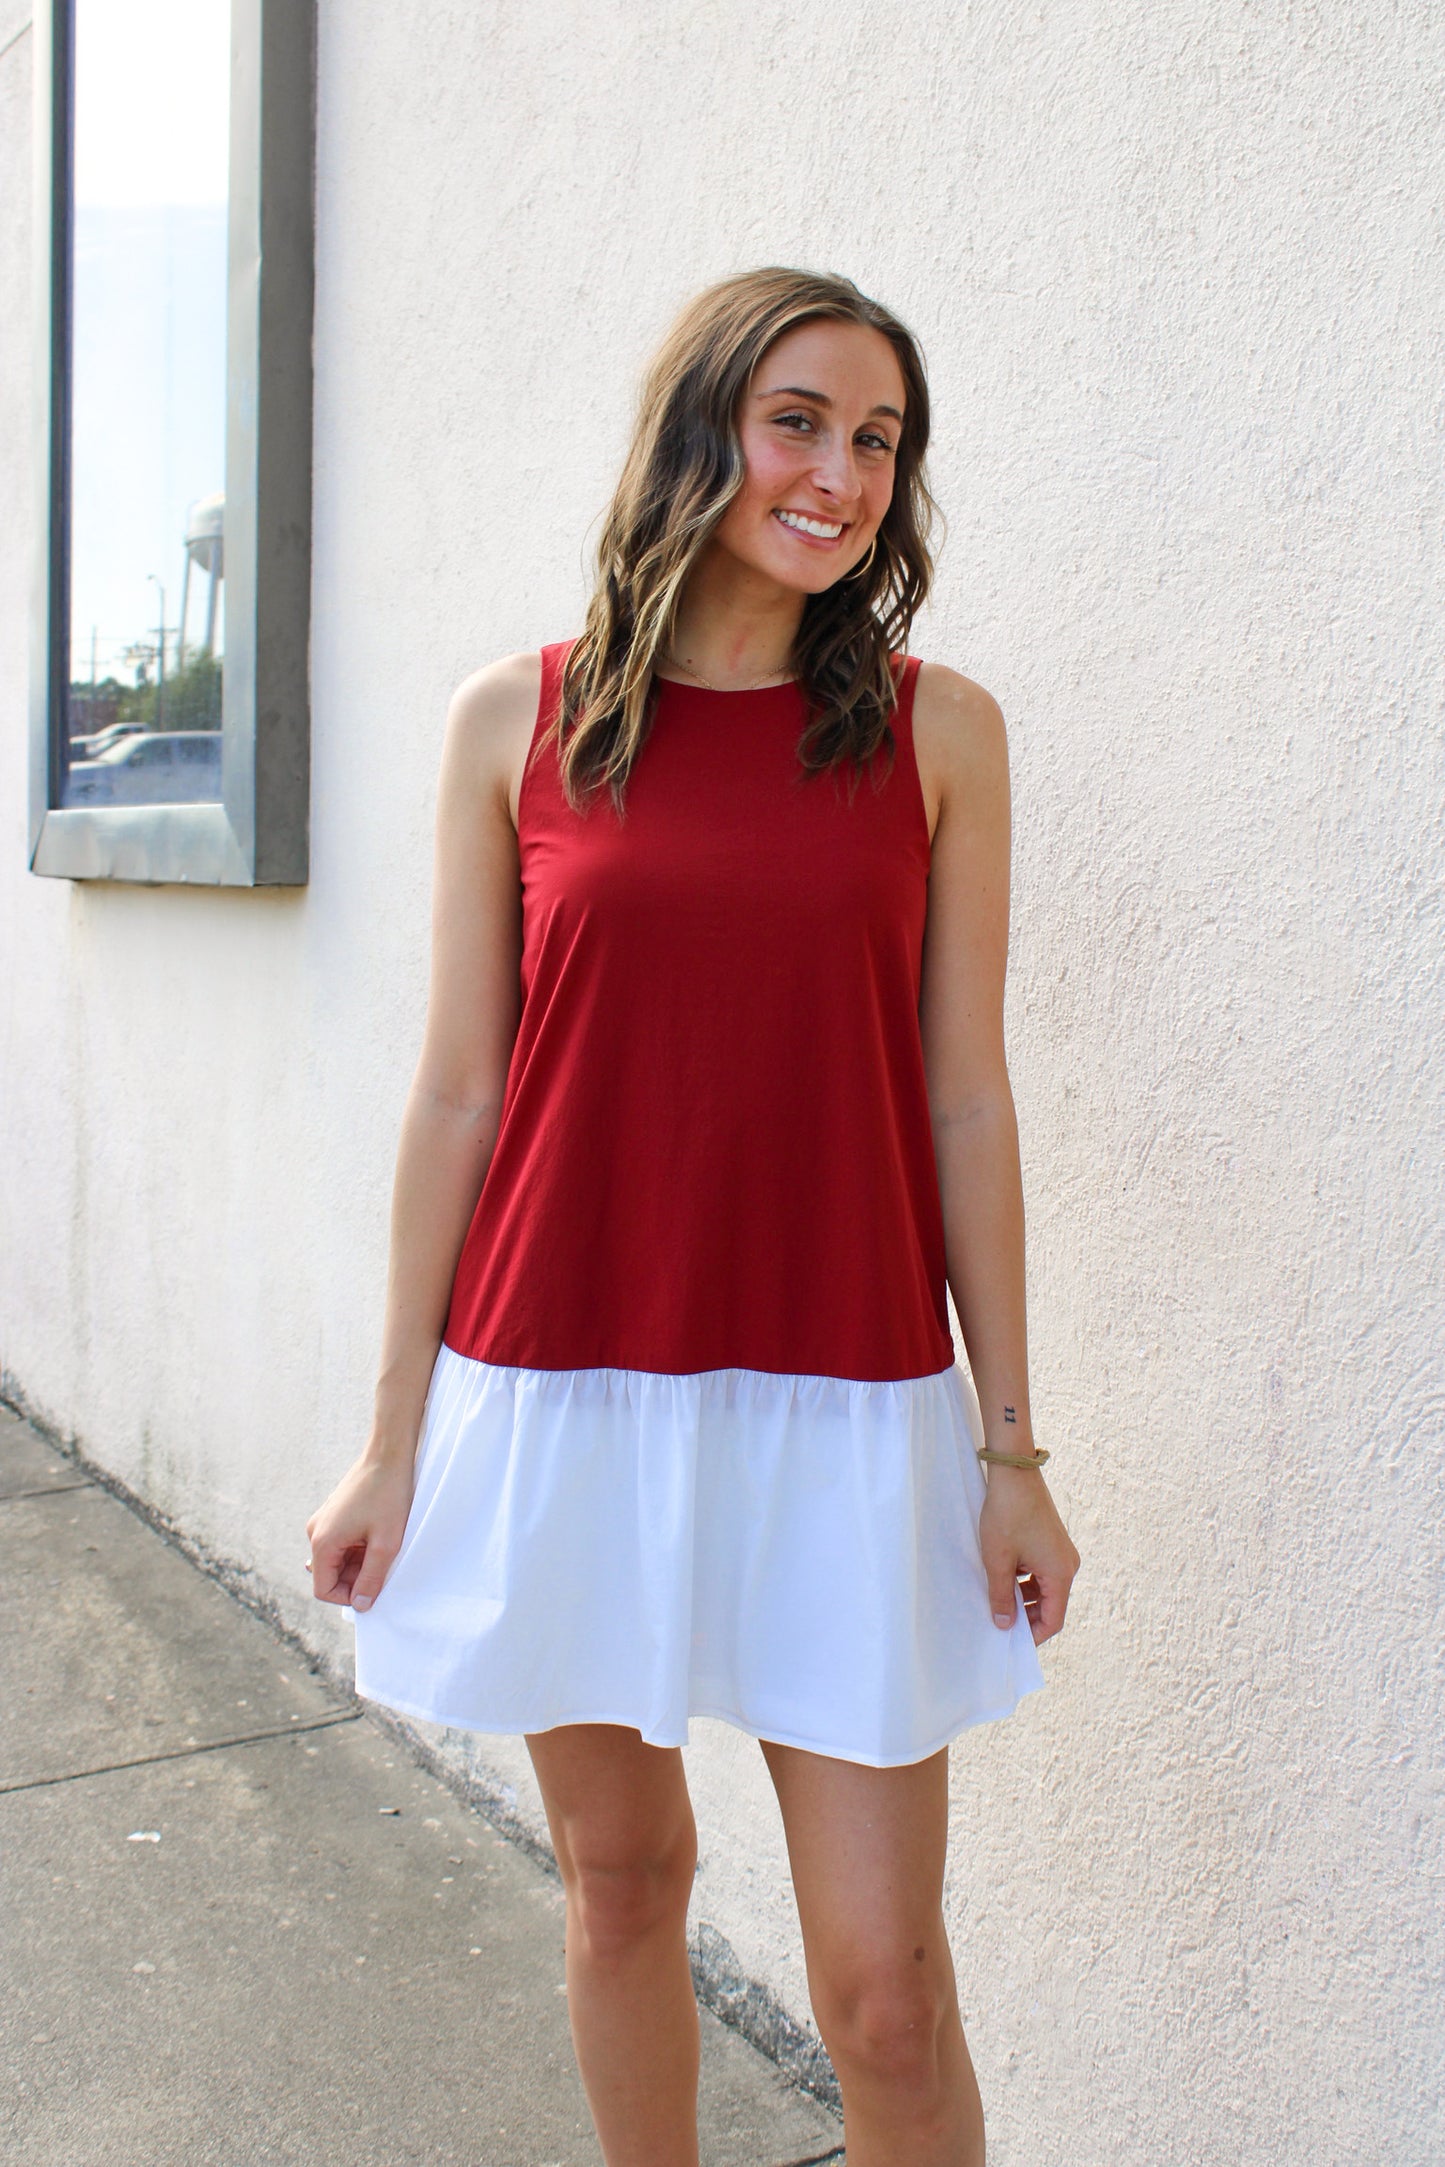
[683, 469]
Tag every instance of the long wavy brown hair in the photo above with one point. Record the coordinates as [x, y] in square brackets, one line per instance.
[683, 469]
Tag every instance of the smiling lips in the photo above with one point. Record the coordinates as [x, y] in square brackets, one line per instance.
[821, 530]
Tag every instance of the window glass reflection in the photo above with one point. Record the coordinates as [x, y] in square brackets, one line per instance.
[148, 400]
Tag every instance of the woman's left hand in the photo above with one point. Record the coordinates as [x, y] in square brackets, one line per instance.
[1025, 1547]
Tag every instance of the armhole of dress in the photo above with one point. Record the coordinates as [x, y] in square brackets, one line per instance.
[906, 752]
[549, 697]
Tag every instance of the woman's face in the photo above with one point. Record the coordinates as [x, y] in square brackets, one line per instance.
[819, 427]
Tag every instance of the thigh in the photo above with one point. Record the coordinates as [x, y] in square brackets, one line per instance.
[867, 1848]
[611, 1799]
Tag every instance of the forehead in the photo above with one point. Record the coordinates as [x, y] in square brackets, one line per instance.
[847, 362]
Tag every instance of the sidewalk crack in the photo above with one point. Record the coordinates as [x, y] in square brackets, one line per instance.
[185, 1753]
[55, 1489]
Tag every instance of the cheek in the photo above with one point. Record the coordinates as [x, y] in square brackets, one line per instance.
[771, 468]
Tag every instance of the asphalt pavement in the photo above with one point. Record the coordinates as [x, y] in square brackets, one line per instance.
[240, 1925]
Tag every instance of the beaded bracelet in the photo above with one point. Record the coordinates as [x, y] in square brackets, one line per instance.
[1015, 1459]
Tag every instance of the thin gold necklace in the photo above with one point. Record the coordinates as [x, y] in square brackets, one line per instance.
[709, 686]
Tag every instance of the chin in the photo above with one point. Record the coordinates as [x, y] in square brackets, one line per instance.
[808, 579]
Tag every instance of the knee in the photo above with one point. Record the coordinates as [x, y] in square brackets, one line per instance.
[887, 2027]
[619, 1896]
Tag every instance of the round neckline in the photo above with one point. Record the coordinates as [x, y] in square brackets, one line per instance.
[724, 692]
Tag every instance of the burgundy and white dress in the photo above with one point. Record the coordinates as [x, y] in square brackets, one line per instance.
[697, 1441]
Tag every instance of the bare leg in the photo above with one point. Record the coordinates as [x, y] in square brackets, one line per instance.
[867, 1848]
[626, 1844]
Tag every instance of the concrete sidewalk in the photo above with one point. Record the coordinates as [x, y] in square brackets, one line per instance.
[240, 1925]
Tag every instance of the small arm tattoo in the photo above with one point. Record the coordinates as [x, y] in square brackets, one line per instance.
[1009, 1415]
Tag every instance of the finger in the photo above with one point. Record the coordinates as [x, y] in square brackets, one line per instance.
[1002, 1583]
[333, 1569]
[1053, 1603]
[368, 1583]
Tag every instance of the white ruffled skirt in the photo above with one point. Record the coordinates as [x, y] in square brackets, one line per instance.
[797, 1556]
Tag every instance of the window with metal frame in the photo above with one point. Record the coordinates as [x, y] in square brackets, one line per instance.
[170, 728]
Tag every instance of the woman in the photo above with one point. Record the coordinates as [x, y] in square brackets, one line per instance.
[711, 1103]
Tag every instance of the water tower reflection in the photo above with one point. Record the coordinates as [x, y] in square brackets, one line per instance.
[206, 550]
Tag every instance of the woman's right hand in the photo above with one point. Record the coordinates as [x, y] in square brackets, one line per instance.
[452, 1112]
[357, 1533]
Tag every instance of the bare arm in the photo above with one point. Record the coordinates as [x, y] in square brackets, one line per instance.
[449, 1125]
[452, 1110]
[975, 1133]
[961, 737]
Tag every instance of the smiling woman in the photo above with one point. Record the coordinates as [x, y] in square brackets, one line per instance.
[810, 473]
[711, 1110]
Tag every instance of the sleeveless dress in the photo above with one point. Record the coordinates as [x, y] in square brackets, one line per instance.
[697, 1441]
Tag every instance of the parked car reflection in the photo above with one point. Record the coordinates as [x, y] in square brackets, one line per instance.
[91, 748]
[159, 767]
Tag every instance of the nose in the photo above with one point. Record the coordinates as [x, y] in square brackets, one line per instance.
[836, 474]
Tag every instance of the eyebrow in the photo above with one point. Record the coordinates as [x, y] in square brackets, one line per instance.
[820, 398]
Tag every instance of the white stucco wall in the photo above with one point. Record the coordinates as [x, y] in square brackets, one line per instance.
[1179, 275]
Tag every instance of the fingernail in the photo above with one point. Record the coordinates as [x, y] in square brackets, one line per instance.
[361, 1602]
[1002, 1617]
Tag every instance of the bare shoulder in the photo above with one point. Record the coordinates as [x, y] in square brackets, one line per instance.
[959, 740]
[490, 720]
[962, 723]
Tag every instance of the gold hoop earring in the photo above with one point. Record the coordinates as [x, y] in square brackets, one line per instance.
[859, 569]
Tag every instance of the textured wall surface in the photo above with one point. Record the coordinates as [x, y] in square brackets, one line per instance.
[1178, 272]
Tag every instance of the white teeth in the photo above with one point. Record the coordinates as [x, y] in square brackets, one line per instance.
[820, 527]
